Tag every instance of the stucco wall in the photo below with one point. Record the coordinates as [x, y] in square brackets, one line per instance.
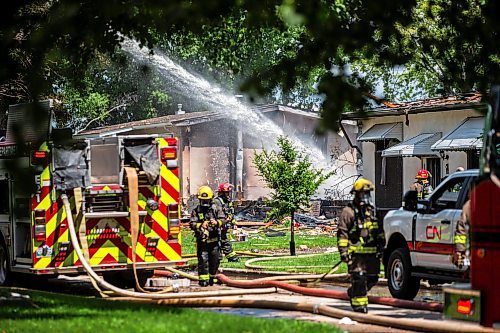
[208, 166]
[253, 185]
[429, 122]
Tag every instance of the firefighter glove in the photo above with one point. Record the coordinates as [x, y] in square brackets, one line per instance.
[380, 250]
[345, 257]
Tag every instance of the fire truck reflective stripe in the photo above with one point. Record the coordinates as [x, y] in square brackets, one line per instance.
[45, 202]
[435, 248]
[460, 239]
[108, 248]
[56, 220]
[44, 147]
[43, 262]
[45, 175]
[168, 178]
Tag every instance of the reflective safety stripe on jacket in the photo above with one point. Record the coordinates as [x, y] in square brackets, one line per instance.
[460, 239]
[370, 225]
[362, 249]
[359, 301]
[343, 242]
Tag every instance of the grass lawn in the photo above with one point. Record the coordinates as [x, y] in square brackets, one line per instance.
[264, 244]
[63, 313]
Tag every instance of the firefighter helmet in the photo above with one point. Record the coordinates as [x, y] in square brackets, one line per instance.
[225, 187]
[205, 193]
[362, 185]
[423, 174]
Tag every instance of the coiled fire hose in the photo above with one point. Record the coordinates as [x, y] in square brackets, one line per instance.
[102, 283]
[250, 263]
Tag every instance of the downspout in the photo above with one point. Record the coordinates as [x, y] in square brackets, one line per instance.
[239, 163]
[342, 128]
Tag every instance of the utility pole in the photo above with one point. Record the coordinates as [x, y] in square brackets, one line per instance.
[292, 235]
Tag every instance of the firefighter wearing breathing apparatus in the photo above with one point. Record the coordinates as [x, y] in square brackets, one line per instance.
[361, 242]
[224, 202]
[206, 221]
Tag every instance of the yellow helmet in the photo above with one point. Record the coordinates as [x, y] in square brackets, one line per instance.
[362, 185]
[205, 193]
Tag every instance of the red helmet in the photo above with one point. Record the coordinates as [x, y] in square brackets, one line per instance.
[225, 187]
[422, 174]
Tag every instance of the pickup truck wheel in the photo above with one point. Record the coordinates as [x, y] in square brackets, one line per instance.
[401, 284]
[5, 274]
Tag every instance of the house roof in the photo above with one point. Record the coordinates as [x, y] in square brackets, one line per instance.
[266, 108]
[457, 102]
[187, 119]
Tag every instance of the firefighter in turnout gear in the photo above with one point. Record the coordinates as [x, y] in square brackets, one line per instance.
[206, 221]
[461, 235]
[422, 184]
[224, 202]
[361, 243]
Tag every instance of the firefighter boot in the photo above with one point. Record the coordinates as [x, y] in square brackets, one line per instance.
[234, 259]
[213, 280]
[361, 309]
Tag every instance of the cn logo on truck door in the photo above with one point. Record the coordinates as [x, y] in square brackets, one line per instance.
[432, 232]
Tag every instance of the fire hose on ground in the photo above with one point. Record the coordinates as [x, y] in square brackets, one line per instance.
[250, 263]
[434, 306]
[123, 292]
[269, 282]
[421, 325]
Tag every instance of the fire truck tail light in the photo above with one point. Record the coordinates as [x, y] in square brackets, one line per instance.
[173, 211]
[169, 153]
[174, 226]
[171, 141]
[465, 306]
[40, 229]
[39, 157]
[40, 154]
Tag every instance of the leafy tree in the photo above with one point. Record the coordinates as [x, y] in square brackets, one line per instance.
[291, 177]
[112, 90]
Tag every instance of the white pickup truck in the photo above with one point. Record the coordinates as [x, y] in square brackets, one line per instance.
[420, 243]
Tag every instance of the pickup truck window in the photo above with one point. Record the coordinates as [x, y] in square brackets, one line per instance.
[447, 196]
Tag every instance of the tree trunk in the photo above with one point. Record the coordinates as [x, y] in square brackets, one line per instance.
[292, 235]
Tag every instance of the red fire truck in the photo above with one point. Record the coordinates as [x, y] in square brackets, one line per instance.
[103, 178]
[480, 300]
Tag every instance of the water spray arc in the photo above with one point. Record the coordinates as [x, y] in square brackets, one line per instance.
[213, 97]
